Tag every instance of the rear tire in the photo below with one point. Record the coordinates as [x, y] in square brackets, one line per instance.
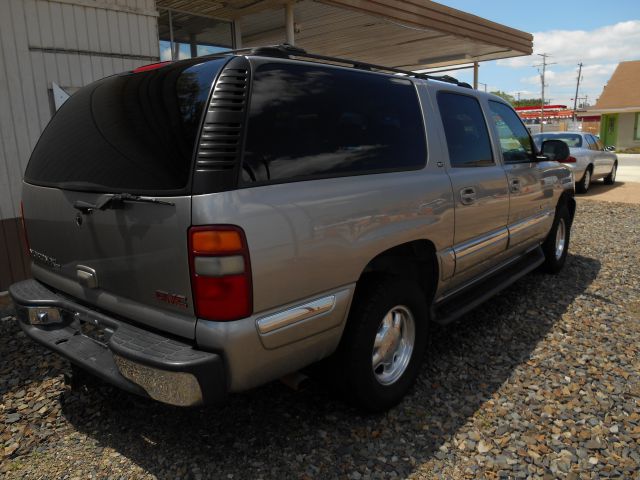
[556, 246]
[384, 342]
[583, 185]
[611, 178]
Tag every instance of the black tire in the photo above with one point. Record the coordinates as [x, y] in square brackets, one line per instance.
[583, 185]
[553, 262]
[611, 178]
[377, 295]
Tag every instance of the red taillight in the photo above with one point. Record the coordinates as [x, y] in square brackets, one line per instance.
[24, 229]
[570, 159]
[151, 66]
[220, 272]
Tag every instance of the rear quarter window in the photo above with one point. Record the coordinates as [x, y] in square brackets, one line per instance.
[133, 132]
[308, 121]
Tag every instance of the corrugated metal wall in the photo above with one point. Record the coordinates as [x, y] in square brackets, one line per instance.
[71, 43]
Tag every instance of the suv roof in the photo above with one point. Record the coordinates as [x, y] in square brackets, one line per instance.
[289, 51]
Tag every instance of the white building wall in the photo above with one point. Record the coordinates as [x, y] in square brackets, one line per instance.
[71, 43]
[626, 123]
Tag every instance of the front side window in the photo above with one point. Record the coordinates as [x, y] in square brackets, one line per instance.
[515, 142]
[591, 142]
[311, 121]
[465, 130]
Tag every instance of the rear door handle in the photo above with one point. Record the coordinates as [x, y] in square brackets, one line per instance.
[515, 185]
[468, 195]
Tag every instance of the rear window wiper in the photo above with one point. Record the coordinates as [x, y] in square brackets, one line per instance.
[115, 200]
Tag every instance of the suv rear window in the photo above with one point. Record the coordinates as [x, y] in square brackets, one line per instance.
[133, 132]
[309, 121]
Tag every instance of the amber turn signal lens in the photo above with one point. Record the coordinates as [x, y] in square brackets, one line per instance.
[216, 241]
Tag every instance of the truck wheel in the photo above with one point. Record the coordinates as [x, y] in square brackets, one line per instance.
[611, 178]
[383, 344]
[556, 245]
[583, 185]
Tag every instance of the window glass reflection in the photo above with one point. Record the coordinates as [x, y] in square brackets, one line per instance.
[310, 121]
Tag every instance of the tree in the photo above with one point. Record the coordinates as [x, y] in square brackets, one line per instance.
[527, 102]
[523, 102]
[505, 96]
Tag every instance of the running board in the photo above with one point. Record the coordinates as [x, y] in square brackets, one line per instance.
[452, 308]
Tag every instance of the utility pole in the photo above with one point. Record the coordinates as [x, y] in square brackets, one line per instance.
[575, 98]
[542, 79]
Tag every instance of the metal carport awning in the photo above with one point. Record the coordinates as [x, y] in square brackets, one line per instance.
[405, 34]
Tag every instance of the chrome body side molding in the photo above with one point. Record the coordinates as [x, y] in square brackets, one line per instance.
[296, 314]
[479, 249]
[535, 226]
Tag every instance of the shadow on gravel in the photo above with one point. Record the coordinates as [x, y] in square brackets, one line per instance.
[274, 432]
[599, 188]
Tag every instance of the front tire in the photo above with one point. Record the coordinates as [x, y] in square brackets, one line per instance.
[556, 246]
[611, 178]
[384, 342]
[583, 185]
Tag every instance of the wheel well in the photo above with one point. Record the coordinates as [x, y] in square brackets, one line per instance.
[569, 201]
[414, 260]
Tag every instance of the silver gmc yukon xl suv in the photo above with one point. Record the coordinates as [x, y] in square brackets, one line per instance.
[205, 226]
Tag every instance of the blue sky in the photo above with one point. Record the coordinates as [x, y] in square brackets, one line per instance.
[572, 32]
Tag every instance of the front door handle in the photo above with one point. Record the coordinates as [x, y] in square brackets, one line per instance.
[468, 195]
[515, 185]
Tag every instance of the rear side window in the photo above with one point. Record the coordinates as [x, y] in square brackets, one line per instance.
[465, 130]
[310, 121]
[133, 132]
[597, 143]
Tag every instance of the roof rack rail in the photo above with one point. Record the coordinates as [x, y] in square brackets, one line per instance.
[285, 50]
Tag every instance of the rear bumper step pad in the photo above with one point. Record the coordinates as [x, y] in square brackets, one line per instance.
[161, 367]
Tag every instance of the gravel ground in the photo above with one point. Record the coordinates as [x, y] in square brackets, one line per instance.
[541, 382]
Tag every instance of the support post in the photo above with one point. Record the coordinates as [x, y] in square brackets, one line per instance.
[237, 34]
[172, 45]
[475, 75]
[193, 45]
[289, 23]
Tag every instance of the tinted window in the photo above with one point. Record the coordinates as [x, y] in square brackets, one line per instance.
[597, 143]
[571, 139]
[133, 132]
[308, 121]
[465, 130]
[590, 142]
[515, 142]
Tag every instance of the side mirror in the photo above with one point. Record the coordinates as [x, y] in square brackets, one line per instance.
[555, 150]
[610, 148]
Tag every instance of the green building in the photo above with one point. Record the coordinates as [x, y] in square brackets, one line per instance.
[619, 107]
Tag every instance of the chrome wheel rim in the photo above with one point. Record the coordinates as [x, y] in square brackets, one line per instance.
[393, 345]
[587, 179]
[560, 238]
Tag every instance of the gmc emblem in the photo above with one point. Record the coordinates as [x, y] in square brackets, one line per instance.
[172, 298]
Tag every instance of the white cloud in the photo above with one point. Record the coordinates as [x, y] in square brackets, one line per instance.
[600, 50]
[609, 44]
